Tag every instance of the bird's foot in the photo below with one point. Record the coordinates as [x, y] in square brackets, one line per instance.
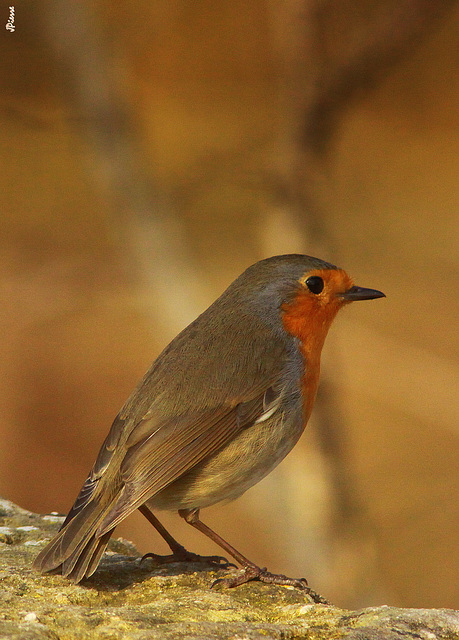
[182, 555]
[262, 575]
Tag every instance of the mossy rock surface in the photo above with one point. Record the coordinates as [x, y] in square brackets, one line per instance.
[127, 600]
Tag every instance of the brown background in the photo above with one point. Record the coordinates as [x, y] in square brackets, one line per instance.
[150, 152]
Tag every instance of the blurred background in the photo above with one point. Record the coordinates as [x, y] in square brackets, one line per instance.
[153, 150]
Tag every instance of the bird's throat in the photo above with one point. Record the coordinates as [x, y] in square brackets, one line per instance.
[309, 320]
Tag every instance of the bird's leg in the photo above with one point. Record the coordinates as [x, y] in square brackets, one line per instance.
[179, 553]
[251, 570]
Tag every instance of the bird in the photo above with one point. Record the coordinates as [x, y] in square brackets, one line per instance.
[219, 409]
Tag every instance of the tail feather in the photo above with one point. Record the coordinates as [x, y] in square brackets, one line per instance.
[102, 545]
[84, 565]
[76, 564]
[76, 550]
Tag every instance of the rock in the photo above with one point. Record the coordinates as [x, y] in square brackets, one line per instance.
[129, 601]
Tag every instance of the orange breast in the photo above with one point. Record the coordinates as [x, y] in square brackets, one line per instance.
[308, 317]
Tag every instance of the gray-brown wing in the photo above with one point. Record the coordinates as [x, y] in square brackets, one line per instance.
[170, 450]
[132, 472]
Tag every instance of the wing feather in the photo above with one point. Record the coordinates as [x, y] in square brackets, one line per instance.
[167, 453]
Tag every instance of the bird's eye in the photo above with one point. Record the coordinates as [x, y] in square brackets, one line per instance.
[315, 284]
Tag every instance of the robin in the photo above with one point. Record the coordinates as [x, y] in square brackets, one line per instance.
[218, 410]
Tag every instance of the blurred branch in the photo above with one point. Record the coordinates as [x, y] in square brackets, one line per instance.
[328, 51]
[147, 228]
[355, 45]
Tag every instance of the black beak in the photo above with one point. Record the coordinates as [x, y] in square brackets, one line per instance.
[359, 293]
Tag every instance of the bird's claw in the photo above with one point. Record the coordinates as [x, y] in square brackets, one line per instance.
[261, 574]
[188, 556]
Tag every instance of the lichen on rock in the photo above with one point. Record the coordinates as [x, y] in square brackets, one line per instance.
[128, 600]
